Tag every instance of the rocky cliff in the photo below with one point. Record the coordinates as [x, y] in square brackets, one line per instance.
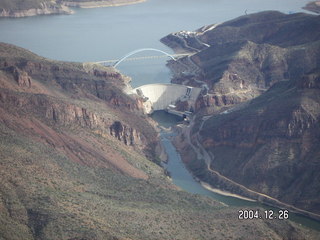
[57, 93]
[260, 137]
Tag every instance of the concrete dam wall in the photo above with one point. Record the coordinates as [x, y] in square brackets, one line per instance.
[160, 96]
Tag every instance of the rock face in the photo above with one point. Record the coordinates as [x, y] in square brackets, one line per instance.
[265, 67]
[22, 78]
[128, 135]
[54, 91]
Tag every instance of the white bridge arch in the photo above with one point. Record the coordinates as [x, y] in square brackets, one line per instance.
[142, 50]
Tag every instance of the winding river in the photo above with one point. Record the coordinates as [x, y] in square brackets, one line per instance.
[92, 35]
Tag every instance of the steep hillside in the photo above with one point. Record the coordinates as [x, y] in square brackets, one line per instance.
[73, 163]
[260, 137]
[272, 145]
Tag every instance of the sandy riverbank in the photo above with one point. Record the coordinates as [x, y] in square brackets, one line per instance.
[224, 193]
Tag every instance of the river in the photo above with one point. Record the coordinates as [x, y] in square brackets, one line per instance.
[99, 34]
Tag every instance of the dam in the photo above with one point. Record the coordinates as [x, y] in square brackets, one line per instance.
[166, 97]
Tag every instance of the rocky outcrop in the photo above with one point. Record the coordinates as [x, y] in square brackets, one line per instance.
[128, 135]
[22, 78]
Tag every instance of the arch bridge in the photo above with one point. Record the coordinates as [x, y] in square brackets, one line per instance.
[142, 50]
[126, 57]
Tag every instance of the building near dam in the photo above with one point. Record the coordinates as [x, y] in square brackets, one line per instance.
[165, 97]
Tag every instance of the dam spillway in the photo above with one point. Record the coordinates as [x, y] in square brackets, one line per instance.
[161, 96]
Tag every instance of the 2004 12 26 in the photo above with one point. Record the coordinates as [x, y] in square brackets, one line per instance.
[248, 214]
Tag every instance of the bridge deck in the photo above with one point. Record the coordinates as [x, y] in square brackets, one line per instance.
[140, 58]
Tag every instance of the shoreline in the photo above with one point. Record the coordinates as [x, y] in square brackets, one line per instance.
[101, 4]
[224, 193]
[64, 8]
